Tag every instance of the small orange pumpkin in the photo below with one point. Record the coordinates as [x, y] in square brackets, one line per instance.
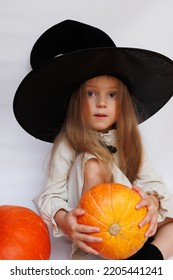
[111, 207]
[23, 234]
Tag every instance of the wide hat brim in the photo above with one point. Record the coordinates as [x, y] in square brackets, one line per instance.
[41, 100]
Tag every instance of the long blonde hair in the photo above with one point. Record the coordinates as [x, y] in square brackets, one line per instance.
[82, 138]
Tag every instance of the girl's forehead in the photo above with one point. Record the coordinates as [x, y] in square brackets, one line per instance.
[103, 80]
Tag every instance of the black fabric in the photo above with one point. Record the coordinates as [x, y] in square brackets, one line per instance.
[41, 100]
[112, 149]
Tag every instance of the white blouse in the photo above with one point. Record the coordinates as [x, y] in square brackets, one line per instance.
[64, 185]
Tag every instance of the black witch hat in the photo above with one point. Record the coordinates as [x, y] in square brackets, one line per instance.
[70, 53]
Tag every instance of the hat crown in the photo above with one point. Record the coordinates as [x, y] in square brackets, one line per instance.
[65, 37]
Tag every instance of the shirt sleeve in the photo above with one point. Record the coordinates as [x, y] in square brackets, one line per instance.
[55, 194]
[153, 184]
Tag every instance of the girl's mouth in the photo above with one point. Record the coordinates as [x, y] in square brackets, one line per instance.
[100, 115]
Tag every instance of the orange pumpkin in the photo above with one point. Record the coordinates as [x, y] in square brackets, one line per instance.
[23, 234]
[111, 207]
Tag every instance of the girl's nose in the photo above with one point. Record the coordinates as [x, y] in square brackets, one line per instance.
[101, 102]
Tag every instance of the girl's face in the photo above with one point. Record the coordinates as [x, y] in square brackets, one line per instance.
[100, 95]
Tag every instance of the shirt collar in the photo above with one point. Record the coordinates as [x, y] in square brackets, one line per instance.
[108, 138]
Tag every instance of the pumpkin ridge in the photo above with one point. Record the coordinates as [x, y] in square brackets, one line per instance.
[105, 245]
[99, 209]
[115, 219]
[96, 219]
[130, 231]
[126, 211]
[117, 246]
[137, 220]
[110, 199]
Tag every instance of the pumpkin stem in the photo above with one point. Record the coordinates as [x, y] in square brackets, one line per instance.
[114, 229]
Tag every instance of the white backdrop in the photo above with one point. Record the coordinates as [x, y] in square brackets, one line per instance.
[144, 24]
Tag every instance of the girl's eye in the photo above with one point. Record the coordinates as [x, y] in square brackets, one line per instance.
[90, 93]
[113, 94]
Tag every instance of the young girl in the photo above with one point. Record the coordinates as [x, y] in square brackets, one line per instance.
[98, 140]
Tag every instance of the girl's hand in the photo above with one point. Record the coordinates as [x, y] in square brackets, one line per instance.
[152, 204]
[78, 233]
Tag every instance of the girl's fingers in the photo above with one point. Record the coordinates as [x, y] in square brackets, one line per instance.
[77, 212]
[141, 204]
[152, 225]
[83, 246]
[87, 229]
[145, 221]
[83, 239]
[90, 238]
[142, 194]
[151, 230]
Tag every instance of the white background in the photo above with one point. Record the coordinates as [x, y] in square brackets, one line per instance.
[133, 23]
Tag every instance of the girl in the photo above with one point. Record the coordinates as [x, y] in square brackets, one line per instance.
[98, 140]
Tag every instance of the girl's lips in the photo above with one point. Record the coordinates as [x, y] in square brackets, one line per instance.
[100, 115]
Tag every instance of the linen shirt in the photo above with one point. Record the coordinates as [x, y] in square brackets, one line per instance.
[64, 185]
